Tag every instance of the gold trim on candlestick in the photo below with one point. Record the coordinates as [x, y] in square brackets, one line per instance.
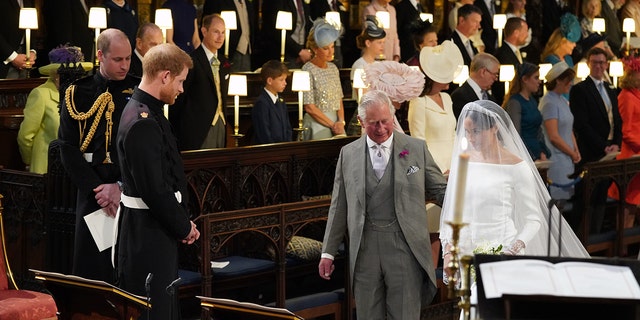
[459, 263]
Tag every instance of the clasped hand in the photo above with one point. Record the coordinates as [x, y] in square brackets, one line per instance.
[194, 234]
[108, 197]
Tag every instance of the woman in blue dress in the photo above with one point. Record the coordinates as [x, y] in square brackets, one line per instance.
[558, 128]
[522, 107]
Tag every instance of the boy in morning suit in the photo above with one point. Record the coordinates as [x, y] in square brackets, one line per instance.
[269, 114]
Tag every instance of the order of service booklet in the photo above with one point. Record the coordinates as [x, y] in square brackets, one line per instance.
[567, 279]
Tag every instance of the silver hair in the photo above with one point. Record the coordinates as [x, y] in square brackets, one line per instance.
[374, 98]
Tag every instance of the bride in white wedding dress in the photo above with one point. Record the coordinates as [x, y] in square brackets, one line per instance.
[505, 201]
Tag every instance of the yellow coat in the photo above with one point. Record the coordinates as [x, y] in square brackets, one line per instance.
[40, 126]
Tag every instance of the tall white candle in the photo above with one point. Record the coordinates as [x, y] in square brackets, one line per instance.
[236, 110]
[284, 36]
[300, 110]
[27, 33]
[226, 42]
[461, 183]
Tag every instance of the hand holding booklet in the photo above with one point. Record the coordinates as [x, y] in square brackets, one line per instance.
[566, 279]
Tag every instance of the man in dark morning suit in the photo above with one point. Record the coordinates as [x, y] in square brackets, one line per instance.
[382, 181]
[154, 217]
[613, 27]
[484, 71]
[469, 17]
[149, 35]
[89, 154]
[66, 22]
[242, 39]
[489, 35]
[318, 9]
[515, 35]
[598, 129]
[198, 114]
[11, 50]
[269, 113]
[407, 11]
[295, 53]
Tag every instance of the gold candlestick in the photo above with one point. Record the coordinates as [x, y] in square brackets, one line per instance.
[464, 293]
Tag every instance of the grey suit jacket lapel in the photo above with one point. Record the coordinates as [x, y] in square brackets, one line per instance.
[358, 170]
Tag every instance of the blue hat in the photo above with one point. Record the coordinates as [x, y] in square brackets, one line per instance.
[570, 27]
[324, 33]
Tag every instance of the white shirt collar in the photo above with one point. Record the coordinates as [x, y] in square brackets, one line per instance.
[387, 144]
[476, 88]
[463, 38]
[208, 52]
[414, 3]
[137, 54]
[273, 97]
[596, 81]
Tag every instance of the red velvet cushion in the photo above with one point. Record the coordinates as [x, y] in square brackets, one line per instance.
[26, 305]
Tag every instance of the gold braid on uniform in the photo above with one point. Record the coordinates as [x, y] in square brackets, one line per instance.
[97, 109]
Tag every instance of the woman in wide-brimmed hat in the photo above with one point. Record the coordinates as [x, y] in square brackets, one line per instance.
[558, 129]
[41, 114]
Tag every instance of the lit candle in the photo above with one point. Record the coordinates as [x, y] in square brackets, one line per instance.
[461, 183]
[300, 110]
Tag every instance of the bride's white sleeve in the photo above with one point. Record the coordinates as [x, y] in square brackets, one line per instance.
[527, 213]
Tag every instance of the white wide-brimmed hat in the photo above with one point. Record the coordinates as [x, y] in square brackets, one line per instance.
[441, 63]
[556, 71]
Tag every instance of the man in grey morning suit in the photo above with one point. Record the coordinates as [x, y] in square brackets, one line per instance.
[384, 212]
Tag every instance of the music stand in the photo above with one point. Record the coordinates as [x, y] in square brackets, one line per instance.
[555, 307]
[224, 309]
[81, 298]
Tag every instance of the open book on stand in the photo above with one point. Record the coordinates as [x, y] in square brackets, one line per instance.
[564, 279]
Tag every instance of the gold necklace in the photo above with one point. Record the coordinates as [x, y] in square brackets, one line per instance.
[104, 100]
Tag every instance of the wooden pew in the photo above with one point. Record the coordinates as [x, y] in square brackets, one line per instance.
[612, 241]
[276, 225]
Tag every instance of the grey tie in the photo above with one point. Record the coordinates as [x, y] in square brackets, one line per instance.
[604, 95]
[379, 160]
[485, 95]
[469, 49]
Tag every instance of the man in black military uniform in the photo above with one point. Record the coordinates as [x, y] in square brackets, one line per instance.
[89, 117]
[154, 218]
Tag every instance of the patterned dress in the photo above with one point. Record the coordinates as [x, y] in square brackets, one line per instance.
[326, 94]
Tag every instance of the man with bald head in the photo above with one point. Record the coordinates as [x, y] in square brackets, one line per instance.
[149, 35]
[198, 115]
[153, 217]
[89, 118]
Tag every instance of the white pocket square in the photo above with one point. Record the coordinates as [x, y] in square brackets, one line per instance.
[412, 170]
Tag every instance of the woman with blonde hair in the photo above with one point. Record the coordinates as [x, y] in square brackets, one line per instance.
[324, 111]
[562, 41]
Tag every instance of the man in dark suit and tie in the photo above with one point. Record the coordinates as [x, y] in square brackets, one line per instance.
[198, 114]
[407, 12]
[149, 35]
[484, 71]
[11, 40]
[67, 22]
[382, 182]
[241, 39]
[295, 53]
[469, 17]
[516, 32]
[489, 35]
[598, 129]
